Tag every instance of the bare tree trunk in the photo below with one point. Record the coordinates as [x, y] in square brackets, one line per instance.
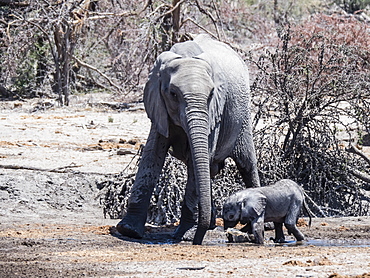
[64, 46]
[175, 21]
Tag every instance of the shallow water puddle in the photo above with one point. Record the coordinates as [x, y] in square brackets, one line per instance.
[339, 242]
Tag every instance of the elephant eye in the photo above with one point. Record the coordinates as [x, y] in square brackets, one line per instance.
[173, 95]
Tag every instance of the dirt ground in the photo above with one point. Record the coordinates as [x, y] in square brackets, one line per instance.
[52, 224]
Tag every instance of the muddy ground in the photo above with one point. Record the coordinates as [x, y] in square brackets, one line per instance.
[52, 223]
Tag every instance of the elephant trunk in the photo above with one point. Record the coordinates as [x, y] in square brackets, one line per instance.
[198, 138]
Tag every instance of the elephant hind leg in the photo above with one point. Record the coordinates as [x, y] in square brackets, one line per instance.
[292, 228]
[279, 234]
[291, 220]
[245, 158]
[249, 175]
[187, 222]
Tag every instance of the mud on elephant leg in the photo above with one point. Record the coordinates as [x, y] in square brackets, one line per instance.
[133, 223]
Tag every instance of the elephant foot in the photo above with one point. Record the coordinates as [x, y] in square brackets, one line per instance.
[299, 238]
[130, 230]
[189, 234]
[185, 232]
[279, 240]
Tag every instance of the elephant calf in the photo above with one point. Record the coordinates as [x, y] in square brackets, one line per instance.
[279, 203]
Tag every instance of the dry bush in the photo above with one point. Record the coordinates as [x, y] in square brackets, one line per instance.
[312, 90]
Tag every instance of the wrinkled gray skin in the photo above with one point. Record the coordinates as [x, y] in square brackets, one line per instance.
[279, 203]
[197, 98]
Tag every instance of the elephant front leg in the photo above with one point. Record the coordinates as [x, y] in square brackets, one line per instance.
[189, 205]
[258, 230]
[133, 223]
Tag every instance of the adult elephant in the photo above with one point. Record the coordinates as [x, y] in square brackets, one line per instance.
[197, 98]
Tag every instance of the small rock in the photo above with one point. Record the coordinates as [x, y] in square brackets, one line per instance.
[125, 151]
[235, 235]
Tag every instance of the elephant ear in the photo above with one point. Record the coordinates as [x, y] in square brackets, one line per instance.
[257, 205]
[153, 101]
[218, 100]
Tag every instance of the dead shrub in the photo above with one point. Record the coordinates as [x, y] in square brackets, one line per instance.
[311, 93]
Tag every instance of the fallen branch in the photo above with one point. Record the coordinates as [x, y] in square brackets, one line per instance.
[360, 175]
[63, 169]
[13, 3]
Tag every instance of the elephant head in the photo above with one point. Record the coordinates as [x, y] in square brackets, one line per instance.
[231, 214]
[184, 92]
[244, 207]
[253, 206]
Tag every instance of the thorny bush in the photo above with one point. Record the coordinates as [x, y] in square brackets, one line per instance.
[312, 91]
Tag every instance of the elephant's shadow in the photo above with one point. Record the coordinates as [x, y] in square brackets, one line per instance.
[153, 235]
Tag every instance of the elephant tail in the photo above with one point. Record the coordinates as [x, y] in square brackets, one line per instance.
[307, 210]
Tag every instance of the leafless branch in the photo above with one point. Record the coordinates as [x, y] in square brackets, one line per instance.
[354, 150]
[98, 71]
[199, 26]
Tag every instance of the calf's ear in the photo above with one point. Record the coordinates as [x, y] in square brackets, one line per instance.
[259, 205]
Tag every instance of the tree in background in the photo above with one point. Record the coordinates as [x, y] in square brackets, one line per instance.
[74, 46]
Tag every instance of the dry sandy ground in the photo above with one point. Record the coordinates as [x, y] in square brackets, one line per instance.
[51, 223]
